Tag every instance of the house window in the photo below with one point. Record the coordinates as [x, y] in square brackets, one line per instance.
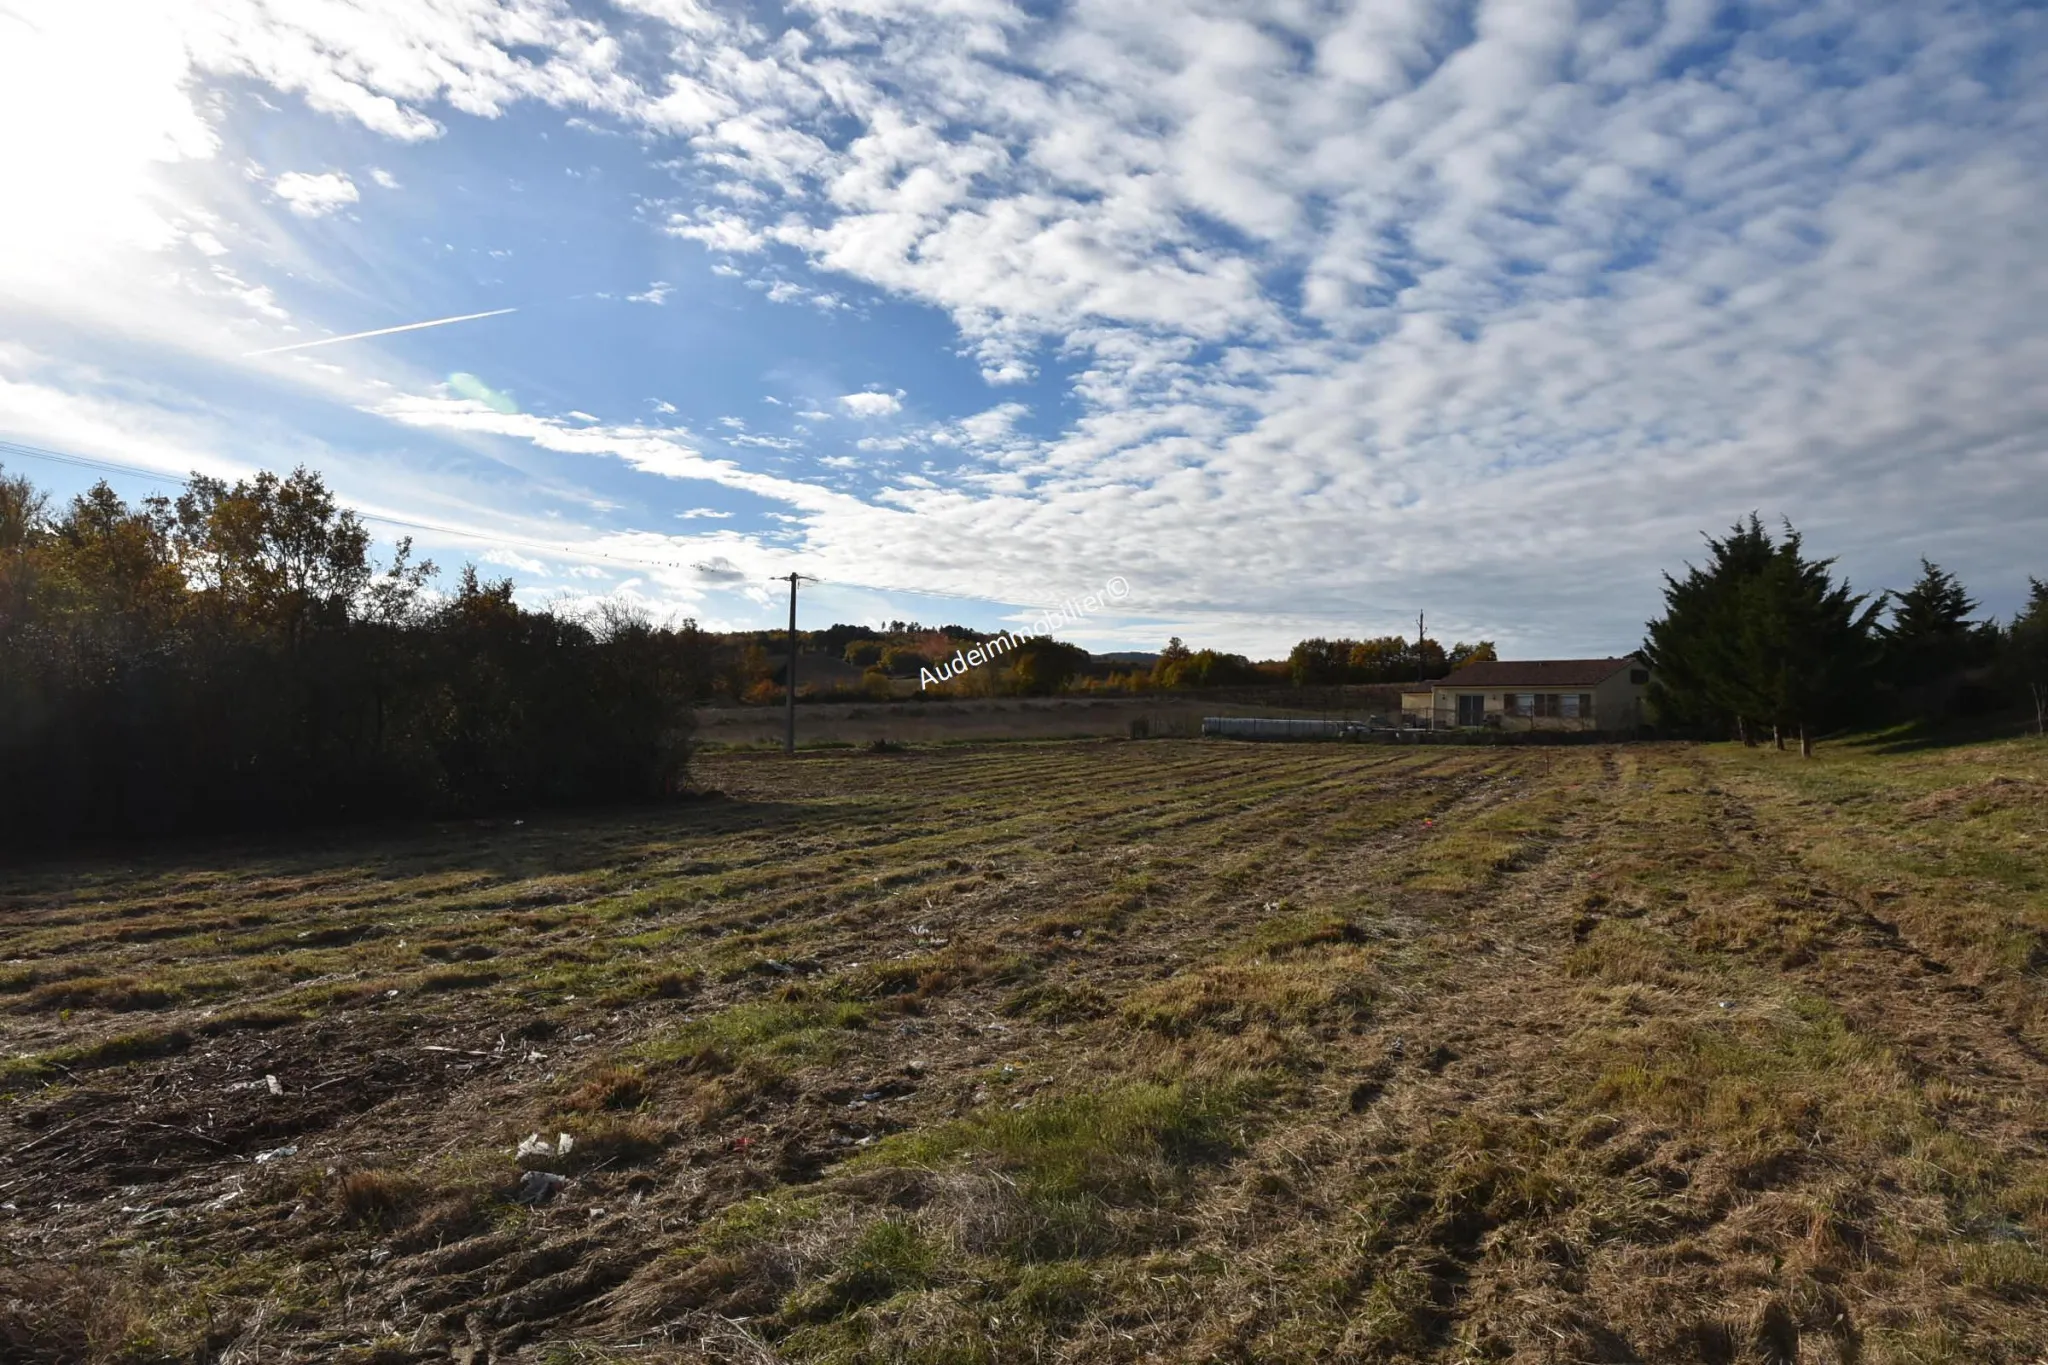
[1471, 709]
[1525, 703]
[1586, 705]
[1570, 706]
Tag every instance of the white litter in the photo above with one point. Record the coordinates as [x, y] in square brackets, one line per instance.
[277, 1154]
[533, 1144]
[537, 1187]
[275, 1088]
[563, 1142]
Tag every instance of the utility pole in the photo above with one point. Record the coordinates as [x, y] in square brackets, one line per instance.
[1421, 665]
[789, 678]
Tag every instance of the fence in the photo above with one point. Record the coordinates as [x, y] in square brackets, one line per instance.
[1276, 727]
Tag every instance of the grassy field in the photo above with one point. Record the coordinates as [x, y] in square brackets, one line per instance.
[1087, 1051]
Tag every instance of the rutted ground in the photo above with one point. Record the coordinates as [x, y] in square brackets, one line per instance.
[1089, 1052]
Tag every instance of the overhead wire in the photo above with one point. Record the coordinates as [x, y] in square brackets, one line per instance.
[558, 548]
[488, 537]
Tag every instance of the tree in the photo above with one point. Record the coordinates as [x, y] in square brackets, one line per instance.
[276, 554]
[1694, 679]
[1381, 660]
[1319, 662]
[23, 527]
[1761, 634]
[2025, 656]
[1040, 665]
[1172, 660]
[236, 659]
[1808, 644]
[1930, 636]
[1210, 668]
[1481, 653]
[901, 661]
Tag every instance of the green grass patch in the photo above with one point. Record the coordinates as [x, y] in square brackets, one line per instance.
[781, 1035]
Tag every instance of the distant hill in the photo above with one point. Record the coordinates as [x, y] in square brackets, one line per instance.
[1129, 657]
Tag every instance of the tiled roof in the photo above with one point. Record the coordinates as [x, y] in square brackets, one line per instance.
[1538, 674]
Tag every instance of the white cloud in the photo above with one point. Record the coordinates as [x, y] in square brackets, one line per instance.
[1476, 290]
[869, 405]
[383, 178]
[719, 230]
[512, 559]
[656, 293]
[315, 196]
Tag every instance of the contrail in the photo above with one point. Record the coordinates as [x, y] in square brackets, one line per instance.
[380, 332]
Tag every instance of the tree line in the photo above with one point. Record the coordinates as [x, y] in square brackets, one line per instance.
[1763, 639]
[234, 658]
[1385, 659]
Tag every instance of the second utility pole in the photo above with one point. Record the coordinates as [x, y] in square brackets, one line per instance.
[789, 680]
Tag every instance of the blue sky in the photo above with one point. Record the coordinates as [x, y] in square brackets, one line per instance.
[1300, 316]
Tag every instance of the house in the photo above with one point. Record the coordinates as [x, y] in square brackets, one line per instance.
[1533, 694]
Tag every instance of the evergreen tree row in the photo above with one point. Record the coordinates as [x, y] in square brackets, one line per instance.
[1762, 638]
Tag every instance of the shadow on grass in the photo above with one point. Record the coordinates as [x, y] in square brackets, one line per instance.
[511, 846]
[1920, 736]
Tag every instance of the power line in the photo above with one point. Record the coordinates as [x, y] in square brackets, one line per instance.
[560, 548]
[487, 537]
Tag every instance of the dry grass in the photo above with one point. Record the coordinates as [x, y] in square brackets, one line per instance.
[1089, 1052]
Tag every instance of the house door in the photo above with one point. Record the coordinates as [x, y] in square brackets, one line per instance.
[1471, 710]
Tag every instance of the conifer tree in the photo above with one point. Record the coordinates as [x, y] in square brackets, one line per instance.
[1760, 635]
[2026, 653]
[1806, 646]
[1930, 635]
[1694, 680]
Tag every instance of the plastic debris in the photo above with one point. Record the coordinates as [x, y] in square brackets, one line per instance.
[277, 1154]
[533, 1144]
[275, 1088]
[563, 1142]
[537, 1187]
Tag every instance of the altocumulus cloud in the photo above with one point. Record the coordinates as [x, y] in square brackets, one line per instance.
[1502, 300]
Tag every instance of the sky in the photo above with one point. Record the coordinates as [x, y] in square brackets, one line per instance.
[1301, 316]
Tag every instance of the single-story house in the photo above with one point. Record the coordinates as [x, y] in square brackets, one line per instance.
[1533, 694]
